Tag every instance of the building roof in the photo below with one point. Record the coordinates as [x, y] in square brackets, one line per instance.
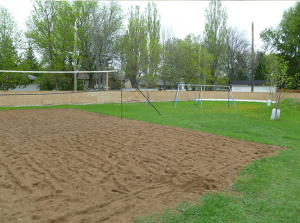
[83, 76]
[31, 77]
[256, 82]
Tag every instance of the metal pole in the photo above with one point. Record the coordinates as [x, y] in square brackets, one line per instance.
[143, 94]
[205, 64]
[199, 64]
[252, 85]
[175, 97]
[232, 98]
[121, 97]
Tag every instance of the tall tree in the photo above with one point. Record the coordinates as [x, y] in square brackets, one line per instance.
[237, 50]
[216, 36]
[150, 73]
[99, 33]
[175, 61]
[140, 45]
[240, 74]
[9, 59]
[190, 58]
[283, 40]
[110, 20]
[261, 67]
[51, 31]
[166, 50]
[84, 11]
[40, 30]
[29, 61]
[134, 45]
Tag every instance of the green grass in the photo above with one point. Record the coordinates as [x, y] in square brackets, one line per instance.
[267, 190]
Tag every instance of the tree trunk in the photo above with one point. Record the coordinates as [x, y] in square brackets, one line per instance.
[6, 83]
[56, 83]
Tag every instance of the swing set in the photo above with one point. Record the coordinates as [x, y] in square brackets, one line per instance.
[201, 89]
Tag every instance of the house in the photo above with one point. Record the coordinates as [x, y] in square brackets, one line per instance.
[245, 86]
[85, 81]
[125, 82]
[29, 87]
[159, 84]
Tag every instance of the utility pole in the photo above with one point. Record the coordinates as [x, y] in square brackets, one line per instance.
[75, 60]
[252, 85]
[205, 64]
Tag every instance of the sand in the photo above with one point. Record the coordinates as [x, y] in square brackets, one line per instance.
[65, 165]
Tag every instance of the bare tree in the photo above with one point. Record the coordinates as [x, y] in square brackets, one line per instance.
[166, 47]
[104, 29]
[237, 52]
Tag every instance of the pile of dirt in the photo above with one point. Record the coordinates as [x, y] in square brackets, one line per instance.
[65, 165]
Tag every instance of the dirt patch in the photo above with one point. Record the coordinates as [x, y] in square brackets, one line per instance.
[64, 165]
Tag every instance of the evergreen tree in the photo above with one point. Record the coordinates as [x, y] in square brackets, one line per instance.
[30, 62]
[261, 69]
[240, 74]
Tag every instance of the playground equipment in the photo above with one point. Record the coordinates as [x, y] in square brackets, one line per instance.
[200, 93]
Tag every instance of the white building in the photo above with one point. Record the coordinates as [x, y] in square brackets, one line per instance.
[245, 86]
[29, 87]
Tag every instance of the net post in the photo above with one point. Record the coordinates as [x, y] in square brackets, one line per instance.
[106, 81]
[75, 59]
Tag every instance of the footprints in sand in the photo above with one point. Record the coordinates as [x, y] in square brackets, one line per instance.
[64, 165]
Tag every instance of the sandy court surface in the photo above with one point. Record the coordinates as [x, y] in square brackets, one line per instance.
[65, 165]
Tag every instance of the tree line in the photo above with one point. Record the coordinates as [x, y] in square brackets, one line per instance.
[135, 43]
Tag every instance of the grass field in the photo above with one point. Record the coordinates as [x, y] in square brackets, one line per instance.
[266, 191]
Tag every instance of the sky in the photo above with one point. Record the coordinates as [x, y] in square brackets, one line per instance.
[187, 17]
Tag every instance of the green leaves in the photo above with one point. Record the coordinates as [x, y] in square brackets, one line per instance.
[140, 46]
[216, 35]
[284, 40]
[9, 58]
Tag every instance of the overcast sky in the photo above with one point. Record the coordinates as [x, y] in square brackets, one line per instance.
[188, 16]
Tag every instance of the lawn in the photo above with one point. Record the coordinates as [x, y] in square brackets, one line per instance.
[266, 191]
